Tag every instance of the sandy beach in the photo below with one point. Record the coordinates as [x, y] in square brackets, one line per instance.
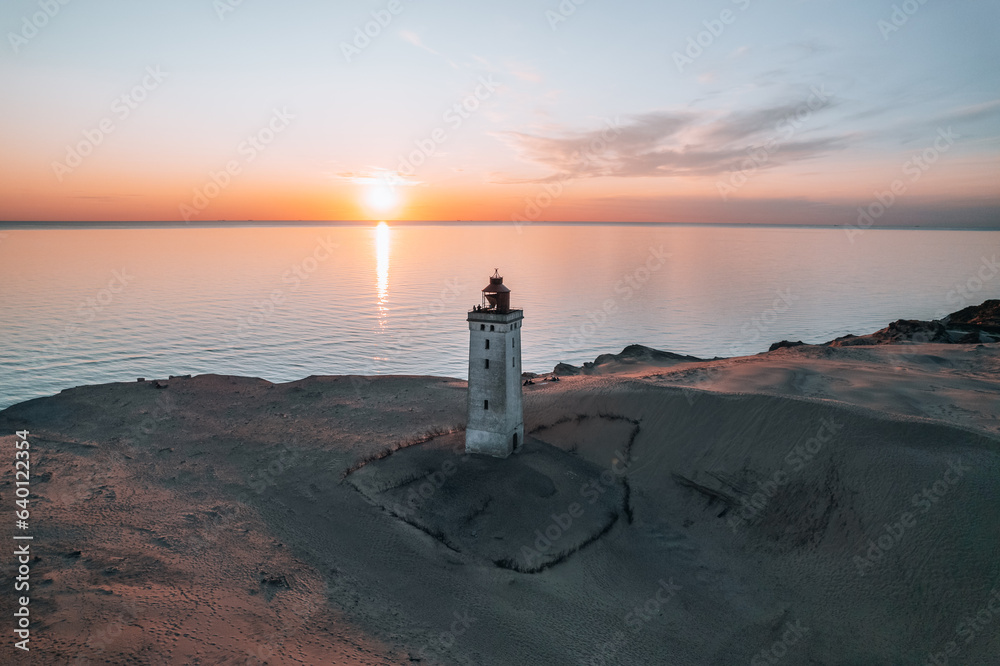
[809, 505]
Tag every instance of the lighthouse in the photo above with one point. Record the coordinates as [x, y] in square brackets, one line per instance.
[496, 415]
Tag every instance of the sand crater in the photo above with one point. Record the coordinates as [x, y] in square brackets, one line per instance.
[526, 513]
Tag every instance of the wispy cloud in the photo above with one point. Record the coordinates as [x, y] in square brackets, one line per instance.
[667, 144]
[374, 176]
[975, 111]
[414, 39]
[107, 198]
[524, 72]
[743, 125]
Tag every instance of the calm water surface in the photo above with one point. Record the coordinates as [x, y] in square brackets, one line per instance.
[90, 305]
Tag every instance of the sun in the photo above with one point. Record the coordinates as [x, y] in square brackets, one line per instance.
[381, 198]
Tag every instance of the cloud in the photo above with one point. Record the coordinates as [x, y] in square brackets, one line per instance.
[975, 111]
[524, 72]
[106, 198]
[414, 38]
[742, 125]
[811, 47]
[374, 176]
[672, 144]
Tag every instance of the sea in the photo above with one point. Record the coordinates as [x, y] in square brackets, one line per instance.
[111, 303]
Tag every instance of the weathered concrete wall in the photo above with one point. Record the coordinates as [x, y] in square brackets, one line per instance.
[492, 431]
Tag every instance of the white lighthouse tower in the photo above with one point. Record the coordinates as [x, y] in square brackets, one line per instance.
[496, 415]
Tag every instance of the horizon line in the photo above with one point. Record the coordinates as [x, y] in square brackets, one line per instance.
[115, 224]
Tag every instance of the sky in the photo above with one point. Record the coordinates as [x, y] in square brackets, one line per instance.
[840, 112]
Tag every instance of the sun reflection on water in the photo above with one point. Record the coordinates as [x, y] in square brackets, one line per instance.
[382, 238]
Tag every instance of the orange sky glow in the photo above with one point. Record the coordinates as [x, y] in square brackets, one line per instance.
[805, 114]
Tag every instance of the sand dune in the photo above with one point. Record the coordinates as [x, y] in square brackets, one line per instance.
[811, 505]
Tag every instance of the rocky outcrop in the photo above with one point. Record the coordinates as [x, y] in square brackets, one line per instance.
[640, 354]
[985, 316]
[976, 324]
[902, 330]
[631, 355]
[784, 344]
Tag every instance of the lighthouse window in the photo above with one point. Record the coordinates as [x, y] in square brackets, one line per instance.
[511, 343]
[486, 404]
[482, 327]
[513, 362]
[487, 344]
[491, 328]
[487, 364]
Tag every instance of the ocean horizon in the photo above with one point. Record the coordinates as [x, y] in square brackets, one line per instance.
[180, 224]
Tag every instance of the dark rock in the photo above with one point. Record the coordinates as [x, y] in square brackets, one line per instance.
[784, 344]
[971, 325]
[916, 331]
[985, 315]
[630, 355]
[634, 353]
[899, 331]
[274, 580]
